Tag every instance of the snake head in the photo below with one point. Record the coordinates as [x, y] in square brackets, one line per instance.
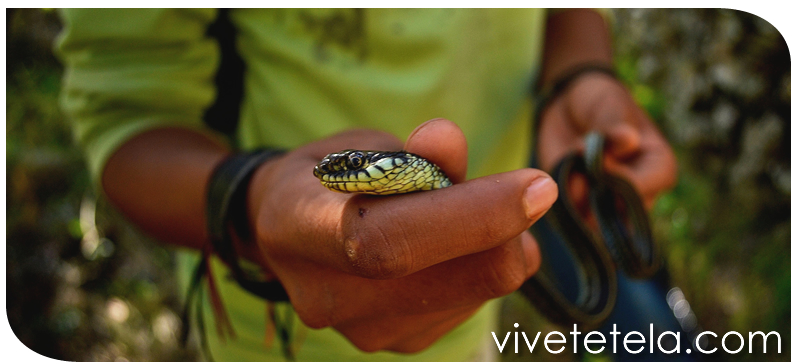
[379, 173]
[346, 160]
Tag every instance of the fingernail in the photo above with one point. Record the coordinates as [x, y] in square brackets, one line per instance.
[539, 196]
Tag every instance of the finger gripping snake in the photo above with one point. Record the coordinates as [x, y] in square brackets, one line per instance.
[379, 173]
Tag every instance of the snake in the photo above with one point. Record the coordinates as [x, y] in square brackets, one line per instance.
[379, 172]
[620, 244]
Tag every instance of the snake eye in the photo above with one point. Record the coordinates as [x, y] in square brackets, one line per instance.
[355, 160]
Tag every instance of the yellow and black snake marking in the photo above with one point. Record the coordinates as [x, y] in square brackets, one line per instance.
[379, 173]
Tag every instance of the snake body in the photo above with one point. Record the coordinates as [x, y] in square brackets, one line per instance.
[379, 173]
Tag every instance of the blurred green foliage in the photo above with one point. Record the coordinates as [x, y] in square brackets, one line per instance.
[717, 81]
[84, 285]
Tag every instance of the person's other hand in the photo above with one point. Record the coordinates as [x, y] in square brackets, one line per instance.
[635, 149]
[396, 272]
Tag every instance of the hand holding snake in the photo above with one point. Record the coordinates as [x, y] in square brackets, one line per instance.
[396, 272]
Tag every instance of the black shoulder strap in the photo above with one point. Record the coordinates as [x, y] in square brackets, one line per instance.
[223, 115]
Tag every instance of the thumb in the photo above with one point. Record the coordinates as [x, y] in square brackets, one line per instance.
[442, 142]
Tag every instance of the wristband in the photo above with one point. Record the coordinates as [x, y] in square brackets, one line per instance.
[226, 214]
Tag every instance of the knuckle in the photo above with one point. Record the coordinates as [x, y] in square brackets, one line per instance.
[503, 276]
[372, 254]
[316, 305]
[313, 317]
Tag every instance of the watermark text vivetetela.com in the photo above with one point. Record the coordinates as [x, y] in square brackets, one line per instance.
[634, 342]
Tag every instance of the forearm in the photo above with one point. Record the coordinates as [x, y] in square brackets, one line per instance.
[158, 179]
[574, 37]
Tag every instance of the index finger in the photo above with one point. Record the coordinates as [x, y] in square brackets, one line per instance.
[396, 236]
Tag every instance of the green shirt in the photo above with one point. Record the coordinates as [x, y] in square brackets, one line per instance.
[310, 73]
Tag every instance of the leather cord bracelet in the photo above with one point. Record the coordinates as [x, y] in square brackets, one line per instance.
[227, 222]
[226, 213]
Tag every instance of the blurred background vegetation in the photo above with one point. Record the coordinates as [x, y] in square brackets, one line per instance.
[82, 284]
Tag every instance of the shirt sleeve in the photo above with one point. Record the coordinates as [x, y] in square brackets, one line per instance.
[131, 70]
